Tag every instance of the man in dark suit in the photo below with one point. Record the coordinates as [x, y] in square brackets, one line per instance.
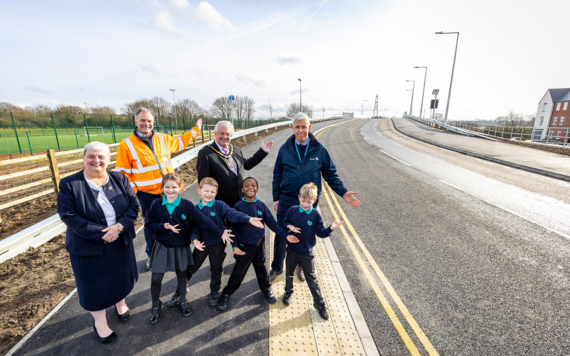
[225, 163]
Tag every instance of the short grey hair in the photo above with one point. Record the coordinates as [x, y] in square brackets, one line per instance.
[228, 125]
[300, 117]
[143, 110]
[97, 146]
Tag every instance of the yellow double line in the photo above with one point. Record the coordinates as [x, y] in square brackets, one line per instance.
[391, 314]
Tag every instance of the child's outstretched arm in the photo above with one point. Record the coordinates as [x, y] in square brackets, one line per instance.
[272, 224]
[196, 217]
[288, 224]
[236, 217]
[320, 229]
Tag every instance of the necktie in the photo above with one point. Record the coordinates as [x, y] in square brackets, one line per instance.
[230, 161]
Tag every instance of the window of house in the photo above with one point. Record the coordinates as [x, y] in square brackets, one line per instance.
[557, 106]
[561, 120]
[541, 121]
[558, 134]
[555, 121]
[565, 106]
[551, 134]
[544, 107]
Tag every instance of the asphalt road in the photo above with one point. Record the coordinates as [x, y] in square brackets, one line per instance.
[455, 237]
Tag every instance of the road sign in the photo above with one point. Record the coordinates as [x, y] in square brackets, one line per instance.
[434, 104]
[232, 98]
[435, 92]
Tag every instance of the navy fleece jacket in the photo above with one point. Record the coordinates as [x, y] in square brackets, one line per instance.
[247, 234]
[311, 225]
[220, 213]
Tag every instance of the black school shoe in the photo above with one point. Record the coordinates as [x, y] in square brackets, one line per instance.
[270, 296]
[287, 298]
[155, 313]
[186, 310]
[214, 297]
[322, 311]
[223, 302]
[176, 297]
[111, 339]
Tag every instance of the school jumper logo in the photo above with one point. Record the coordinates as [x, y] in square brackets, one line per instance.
[212, 213]
[309, 222]
[259, 213]
[183, 217]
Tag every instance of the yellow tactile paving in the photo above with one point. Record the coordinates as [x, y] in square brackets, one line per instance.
[298, 329]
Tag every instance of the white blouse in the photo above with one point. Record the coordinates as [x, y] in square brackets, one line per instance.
[105, 204]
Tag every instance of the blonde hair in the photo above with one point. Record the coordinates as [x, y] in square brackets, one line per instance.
[175, 177]
[209, 181]
[309, 191]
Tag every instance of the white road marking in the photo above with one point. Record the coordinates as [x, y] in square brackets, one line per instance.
[389, 155]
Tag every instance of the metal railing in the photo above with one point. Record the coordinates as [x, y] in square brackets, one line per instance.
[438, 124]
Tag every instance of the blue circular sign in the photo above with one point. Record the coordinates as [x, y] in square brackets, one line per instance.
[232, 98]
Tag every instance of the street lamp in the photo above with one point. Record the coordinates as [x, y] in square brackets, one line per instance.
[300, 98]
[413, 89]
[452, 70]
[175, 118]
[362, 110]
[422, 107]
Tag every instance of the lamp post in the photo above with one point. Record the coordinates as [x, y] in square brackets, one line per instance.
[423, 92]
[300, 97]
[362, 110]
[452, 70]
[413, 89]
[175, 118]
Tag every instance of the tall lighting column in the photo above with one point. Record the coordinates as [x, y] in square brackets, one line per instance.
[300, 97]
[423, 92]
[175, 118]
[452, 70]
[362, 110]
[413, 89]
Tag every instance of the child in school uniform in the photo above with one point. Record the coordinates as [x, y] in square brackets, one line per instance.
[171, 220]
[305, 223]
[249, 244]
[211, 245]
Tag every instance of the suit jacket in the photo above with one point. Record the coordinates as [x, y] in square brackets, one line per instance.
[78, 208]
[211, 164]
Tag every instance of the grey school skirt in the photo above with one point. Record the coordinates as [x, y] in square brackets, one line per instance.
[169, 259]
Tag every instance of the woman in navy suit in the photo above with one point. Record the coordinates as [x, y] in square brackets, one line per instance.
[99, 208]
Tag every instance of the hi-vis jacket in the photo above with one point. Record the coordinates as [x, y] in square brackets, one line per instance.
[144, 167]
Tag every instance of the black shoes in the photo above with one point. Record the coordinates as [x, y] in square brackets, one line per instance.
[322, 311]
[186, 310]
[147, 264]
[273, 275]
[287, 298]
[214, 297]
[270, 296]
[223, 302]
[111, 339]
[155, 313]
[176, 297]
[125, 316]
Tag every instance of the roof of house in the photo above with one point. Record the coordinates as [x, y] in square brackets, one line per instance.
[560, 94]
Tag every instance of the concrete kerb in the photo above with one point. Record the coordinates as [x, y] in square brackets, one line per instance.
[487, 158]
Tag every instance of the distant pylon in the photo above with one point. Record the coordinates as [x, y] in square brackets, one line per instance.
[375, 112]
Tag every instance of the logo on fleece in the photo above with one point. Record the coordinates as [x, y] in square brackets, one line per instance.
[309, 222]
[212, 213]
[183, 217]
[259, 213]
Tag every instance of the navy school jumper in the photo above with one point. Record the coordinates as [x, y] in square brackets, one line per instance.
[219, 213]
[311, 225]
[247, 234]
[186, 215]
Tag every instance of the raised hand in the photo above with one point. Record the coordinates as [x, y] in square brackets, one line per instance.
[335, 225]
[294, 229]
[199, 124]
[199, 245]
[350, 198]
[256, 222]
[292, 239]
[238, 252]
[226, 236]
[266, 146]
[174, 229]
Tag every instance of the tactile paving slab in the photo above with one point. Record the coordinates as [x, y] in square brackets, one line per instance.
[298, 329]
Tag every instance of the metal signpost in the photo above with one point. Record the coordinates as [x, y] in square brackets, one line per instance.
[434, 103]
[231, 102]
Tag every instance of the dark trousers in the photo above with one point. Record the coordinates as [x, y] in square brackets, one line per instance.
[217, 255]
[254, 254]
[280, 244]
[294, 259]
[145, 201]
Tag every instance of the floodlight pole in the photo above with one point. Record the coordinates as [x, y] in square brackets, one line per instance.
[175, 118]
[452, 71]
[423, 92]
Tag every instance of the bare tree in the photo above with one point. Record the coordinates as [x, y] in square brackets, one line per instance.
[70, 109]
[515, 119]
[106, 110]
[160, 106]
[239, 109]
[7, 107]
[293, 110]
[221, 108]
[188, 108]
[249, 104]
[131, 108]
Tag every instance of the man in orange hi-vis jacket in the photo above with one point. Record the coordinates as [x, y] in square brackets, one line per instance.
[144, 157]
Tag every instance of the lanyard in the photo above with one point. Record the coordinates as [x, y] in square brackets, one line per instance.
[306, 149]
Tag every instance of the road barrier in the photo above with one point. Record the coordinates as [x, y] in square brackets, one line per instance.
[441, 125]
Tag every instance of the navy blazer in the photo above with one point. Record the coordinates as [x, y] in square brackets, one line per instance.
[78, 208]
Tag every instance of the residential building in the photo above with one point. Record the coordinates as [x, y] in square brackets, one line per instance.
[560, 122]
[545, 113]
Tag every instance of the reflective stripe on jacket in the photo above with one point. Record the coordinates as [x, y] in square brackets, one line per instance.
[139, 163]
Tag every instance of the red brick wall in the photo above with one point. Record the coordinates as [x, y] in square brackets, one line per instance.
[560, 114]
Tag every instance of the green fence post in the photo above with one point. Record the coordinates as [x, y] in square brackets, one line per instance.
[170, 117]
[86, 128]
[113, 129]
[16, 131]
[55, 130]
[30, 143]
[43, 133]
[183, 124]
[76, 139]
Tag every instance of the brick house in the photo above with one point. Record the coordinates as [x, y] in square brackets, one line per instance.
[560, 121]
[553, 115]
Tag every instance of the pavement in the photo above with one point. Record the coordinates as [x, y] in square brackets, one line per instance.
[537, 161]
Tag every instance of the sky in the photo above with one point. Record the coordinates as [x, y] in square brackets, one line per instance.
[345, 52]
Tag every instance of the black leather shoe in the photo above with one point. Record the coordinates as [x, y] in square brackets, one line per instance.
[155, 313]
[147, 264]
[270, 297]
[223, 302]
[287, 298]
[322, 311]
[111, 339]
[186, 310]
[214, 297]
[174, 300]
[125, 316]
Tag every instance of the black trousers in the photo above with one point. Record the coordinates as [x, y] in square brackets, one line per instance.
[145, 201]
[254, 254]
[292, 260]
[216, 254]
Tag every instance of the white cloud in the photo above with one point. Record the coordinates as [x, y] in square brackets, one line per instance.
[150, 68]
[283, 60]
[37, 90]
[251, 79]
[163, 21]
[215, 20]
